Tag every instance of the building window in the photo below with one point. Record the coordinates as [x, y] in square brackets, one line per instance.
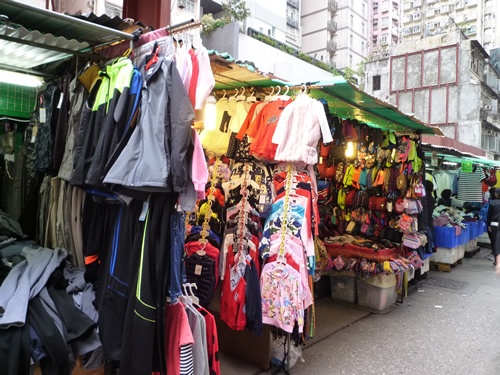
[350, 60]
[375, 24]
[190, 6]
[352, 20]
[385, 5]
[351, 39]
[364, 10]
[261, 30]
[362, 47]
[363, 28]
[384, 39]
[375, 8]
[273, 31]
[385, 22]
[376, 83]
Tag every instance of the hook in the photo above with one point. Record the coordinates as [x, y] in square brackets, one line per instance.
[224, 96]
[279, 90]
[287, 89]
[303, 87]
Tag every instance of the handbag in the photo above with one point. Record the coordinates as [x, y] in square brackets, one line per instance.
[341, 199]
[379, 180]
[367, 230]
[399, 206]
[492, 180]
[405, 223]
[339, 174]
[350, 197]
[351, 227]
[413, 242]
[377, 203]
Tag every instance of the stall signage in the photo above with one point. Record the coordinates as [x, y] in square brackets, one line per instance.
[467, 166]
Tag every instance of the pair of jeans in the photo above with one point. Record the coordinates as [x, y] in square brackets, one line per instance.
[177, 270]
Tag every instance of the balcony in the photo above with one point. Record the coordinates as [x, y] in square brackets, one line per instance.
[293, 3]
[333, 6]
[332, 26]
[292, 22]
[331, 46]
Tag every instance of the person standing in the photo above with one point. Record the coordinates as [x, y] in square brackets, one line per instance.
[492, 221]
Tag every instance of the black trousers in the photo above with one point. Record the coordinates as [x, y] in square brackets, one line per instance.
[119, 269]
[143, 349]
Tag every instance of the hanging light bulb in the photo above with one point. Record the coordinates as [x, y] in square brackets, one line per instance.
[210, 113]
[349, 152]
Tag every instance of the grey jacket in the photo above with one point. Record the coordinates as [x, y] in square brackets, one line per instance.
[24, 282]
[157, 156]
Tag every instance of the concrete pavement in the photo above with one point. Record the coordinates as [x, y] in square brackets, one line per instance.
[450, 325]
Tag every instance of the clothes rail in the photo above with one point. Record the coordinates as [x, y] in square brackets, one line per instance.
[264, 89]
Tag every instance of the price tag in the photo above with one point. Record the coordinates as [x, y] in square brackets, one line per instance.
[467, 166]
[321, 159]
[59, 105]
[144, 212]
[33, 134]
[197, 269]
[9, 157]
[43, 117]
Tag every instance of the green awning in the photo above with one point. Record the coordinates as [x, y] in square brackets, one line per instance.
[460, 159]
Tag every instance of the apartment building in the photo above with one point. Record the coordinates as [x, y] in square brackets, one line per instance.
[476, 19]
[336, 31]
[385, 24]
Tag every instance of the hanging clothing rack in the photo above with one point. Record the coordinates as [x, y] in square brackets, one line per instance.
[264, 89]
[184, 26]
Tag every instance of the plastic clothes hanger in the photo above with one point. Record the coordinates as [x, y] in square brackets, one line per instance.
[285, 96]
[276, 96]
[233, 98]
[241, 96]
[269, 97]
[252, 98]
[224, 96]
[196, 300]
[153, 57]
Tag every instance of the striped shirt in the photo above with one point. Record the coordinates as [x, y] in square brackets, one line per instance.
[470, 186]
[187, 365]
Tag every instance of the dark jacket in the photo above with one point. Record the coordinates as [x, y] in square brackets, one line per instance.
[117, 76]
[156, 158]
[119, 109]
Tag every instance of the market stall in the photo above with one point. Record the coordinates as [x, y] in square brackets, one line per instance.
[164, 221]
[461, 187]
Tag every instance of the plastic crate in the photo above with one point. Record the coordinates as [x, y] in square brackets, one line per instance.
[445, 237]
[343, 289]
[377, 297]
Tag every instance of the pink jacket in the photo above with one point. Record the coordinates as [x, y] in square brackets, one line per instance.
[199, 167]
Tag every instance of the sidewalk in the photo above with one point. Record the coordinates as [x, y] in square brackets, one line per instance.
[449, 325]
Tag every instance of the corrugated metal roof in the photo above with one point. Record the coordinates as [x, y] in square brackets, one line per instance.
[58, 24]
[25, 56]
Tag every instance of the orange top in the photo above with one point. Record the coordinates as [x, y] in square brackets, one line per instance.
[262, 130]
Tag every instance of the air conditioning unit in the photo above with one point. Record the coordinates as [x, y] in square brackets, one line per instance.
[181, 4]
[487, 107]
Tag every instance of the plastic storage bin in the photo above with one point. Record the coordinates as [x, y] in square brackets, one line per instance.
[343, 289]
[445, 237]
[378, 292]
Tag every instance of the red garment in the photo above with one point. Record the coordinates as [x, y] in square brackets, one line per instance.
[254, 254]
[212, 342]
[212, 252]
[246, 123]
[194, 77]
[232, 303]
[262, 130]
[177, 333]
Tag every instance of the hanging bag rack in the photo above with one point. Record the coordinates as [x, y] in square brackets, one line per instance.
[208, 212]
